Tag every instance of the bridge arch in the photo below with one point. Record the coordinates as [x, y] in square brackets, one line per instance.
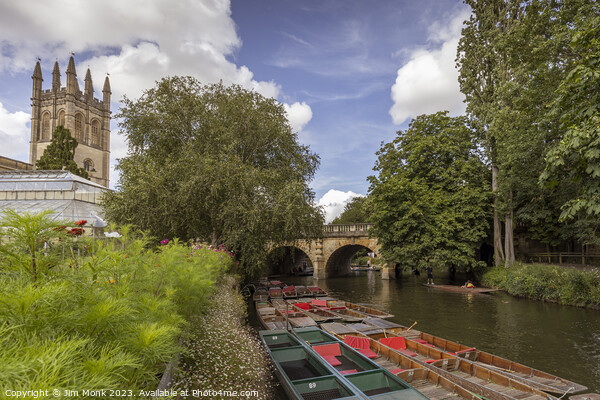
[339, 261]
[286, 260]
[331, 254]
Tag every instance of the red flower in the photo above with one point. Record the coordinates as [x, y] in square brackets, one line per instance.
[81, 222]
[76, 231]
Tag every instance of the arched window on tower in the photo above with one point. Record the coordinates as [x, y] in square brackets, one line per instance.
[46, 126]
[79, 127]
[88, 165]
[61, 118]
[95, 133]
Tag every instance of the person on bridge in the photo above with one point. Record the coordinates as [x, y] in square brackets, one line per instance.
[429, 275]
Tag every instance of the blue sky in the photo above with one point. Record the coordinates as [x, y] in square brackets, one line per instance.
[349, 72]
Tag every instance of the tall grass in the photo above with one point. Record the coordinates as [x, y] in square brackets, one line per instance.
[548, 282]
[108, 316]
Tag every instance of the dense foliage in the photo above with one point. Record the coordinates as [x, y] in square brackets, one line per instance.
[576, 157]
[356, 211]
[101, 314]
[430, 198]
[214, 163]
[60, 153]
[548, 282]
[512, 57]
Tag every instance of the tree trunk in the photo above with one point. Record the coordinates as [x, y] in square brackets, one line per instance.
[498, 254]
[509, 243]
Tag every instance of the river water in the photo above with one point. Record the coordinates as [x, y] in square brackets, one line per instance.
[562, 340]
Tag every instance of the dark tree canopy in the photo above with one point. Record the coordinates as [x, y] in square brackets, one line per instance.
[215, 163]
[60, 153]
[431, 196]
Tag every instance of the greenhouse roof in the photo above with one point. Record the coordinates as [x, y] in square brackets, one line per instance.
[22, 180]
[70, 197]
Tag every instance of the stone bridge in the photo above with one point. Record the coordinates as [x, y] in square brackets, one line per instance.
[331, 255]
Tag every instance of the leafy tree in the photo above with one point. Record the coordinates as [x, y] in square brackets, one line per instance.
[512, 54]
[357, 210]
[60, 153]
[431, 197]
[214, 163]
[576, 157]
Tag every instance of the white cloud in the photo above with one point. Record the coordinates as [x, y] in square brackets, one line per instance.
[136, 41]
[14, 134]
[298, 114]
[428, 82]
[334, 201]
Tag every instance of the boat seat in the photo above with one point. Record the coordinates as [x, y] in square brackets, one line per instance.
[357, 342]
[421, 341]
[367, 353]
[337, 308]
[432, 361]
[332, 360]
[408, 352]
[396, 342]
[396, 371]
[319, 303]
[304, 306]
[348, 371]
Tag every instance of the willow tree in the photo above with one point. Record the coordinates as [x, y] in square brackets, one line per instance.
[214, 163]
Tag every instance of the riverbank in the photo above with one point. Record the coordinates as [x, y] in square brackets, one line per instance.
[222, 356]
[568, 286]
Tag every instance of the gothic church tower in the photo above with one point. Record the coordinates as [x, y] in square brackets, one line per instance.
[87, 118]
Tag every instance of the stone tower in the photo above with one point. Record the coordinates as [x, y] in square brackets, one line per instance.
[87, 118]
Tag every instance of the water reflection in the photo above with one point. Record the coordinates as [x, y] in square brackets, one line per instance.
[558, 339]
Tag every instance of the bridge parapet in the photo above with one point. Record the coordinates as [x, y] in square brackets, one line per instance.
[346, 230]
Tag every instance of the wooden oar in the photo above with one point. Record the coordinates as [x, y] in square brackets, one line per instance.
[411, 327]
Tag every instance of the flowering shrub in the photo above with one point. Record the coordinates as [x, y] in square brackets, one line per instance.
[222, 353]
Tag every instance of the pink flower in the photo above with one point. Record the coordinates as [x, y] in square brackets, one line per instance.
[164, 241]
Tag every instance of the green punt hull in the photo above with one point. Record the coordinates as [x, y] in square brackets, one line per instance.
[306, 375]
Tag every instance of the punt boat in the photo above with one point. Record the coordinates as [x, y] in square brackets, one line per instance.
[316, 313]
[296, 319]
[369, 311]
[426, 381]
[458, 370]
[260, 294]
[371, 380]
[461, 289]
[301, 372]
[269, 317]
[303, 291]
[344, 313]
[530, 376]
[289, 292]
[316, 291]
[275, 293]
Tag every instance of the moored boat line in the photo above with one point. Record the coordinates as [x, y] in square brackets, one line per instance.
[439, 367]
[310, 365]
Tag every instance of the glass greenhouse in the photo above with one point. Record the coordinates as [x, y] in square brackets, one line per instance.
[71, 197]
